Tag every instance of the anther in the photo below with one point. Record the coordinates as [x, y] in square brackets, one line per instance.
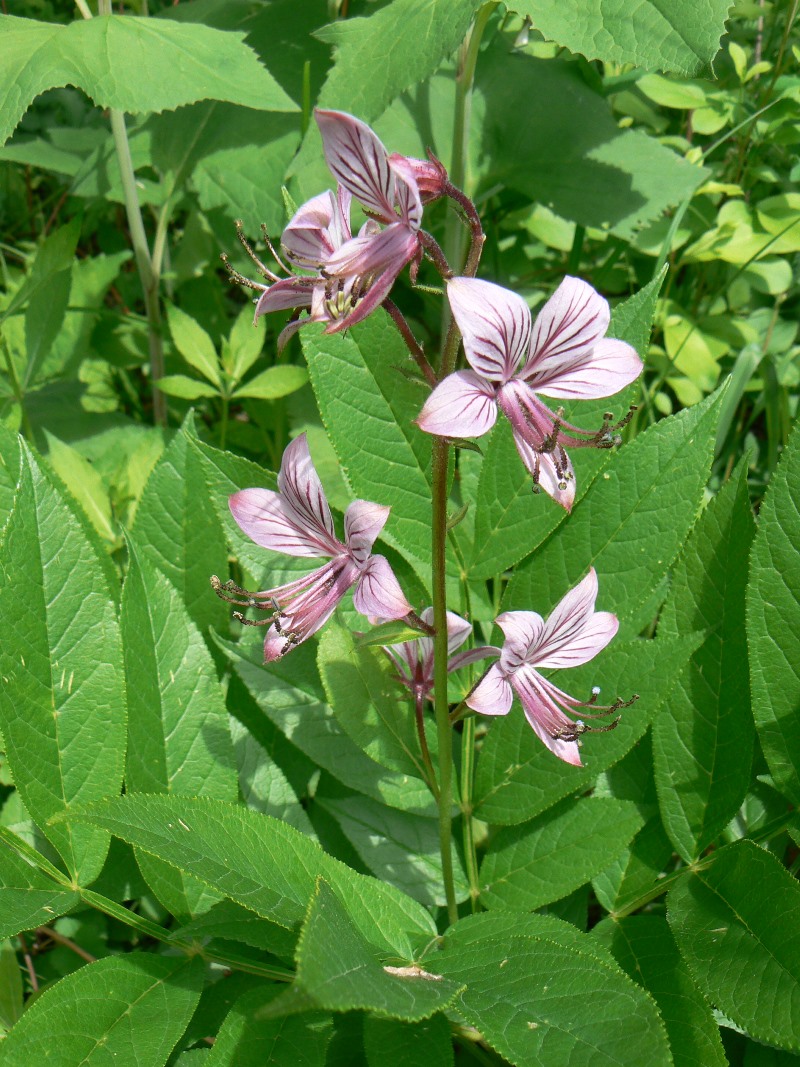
[238, 278]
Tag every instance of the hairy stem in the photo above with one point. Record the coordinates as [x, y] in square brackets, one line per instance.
[467, 785]
[413, 345]
[419, 714]
[441, 451]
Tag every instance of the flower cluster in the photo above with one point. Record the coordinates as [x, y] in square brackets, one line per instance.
[337, 278]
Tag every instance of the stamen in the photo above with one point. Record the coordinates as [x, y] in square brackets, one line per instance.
[251, 622]
[271, 247]
[240, 279]
[264, 271]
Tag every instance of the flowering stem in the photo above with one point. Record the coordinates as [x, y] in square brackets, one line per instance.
[467, 782]
[441, 451]
[413, 345]
[419, 711]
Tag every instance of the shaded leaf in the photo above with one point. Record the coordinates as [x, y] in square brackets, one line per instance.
[62, 701]
[736, 920]
[132, 64]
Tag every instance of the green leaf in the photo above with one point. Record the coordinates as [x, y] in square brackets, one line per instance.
[703, 740]
[11, 992]
[388, 633]
[680, 38]
[377, 58]
[260, 863]
[245, 343]
[645, 949]
[223, 473]
[263, 784]
[403, 1044]
[367, 407]
[737, 923]
[9, 472]
[531, 865]
[178, 736]
[368, 703]
[194, 344]
[131, 64]
[178, 529]
[62, 701]
[510, 521]
[773, 623]
[574, 159]
[290, 694]
[54, 256]
[274, 382]
[636, 870]
[517, 777]
[186, 388]
[85, 484]
[397, 847]
[128, 1010]
[28, 898]
[632, 522]
[248, 1039]
[549, 1000]
[339, 970]
[231, 922]
[50, 280]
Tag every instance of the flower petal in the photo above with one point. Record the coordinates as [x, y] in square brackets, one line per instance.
[308, 240]
[495, 324]
[523, 631]
[287, 293]
[566, 330]
[392, 248]
[545, 716]
[557, 483]
[265, 518]
[409, 203]
[609, 367]
[363, 521]
[463, 405]
[568, 751]
[574, 632]
[364, 305]
[302, 491]
[378, 592]
[307, 605]
[358, 161]
[492, 695]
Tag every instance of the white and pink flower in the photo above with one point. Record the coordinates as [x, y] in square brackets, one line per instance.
[572, 634]
[563, 354]
[297, 521]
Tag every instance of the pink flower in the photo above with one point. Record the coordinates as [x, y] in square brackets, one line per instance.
[386, 188]
[572, 634]
[414, 659]
[316, 232]
[297, 521]
[563, 354]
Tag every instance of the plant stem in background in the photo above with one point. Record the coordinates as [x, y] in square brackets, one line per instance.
[465, 77]
[148, 275]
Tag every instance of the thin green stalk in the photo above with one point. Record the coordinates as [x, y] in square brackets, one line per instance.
[441, 451]
[22, 848]
[83, 7]
[419, 715]
[465, 76]
[467, 786]
[16, 388]
[223, 423]
[144, 262]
